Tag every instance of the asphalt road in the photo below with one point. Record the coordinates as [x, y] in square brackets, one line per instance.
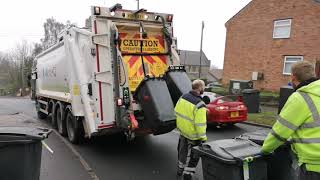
[112, 158]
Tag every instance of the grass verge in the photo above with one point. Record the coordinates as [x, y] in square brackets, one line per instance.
[265, 118]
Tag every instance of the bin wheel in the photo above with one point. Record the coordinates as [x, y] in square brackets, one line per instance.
[74, 127]
[60, 117]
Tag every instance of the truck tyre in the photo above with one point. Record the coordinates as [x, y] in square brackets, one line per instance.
[40, 114]
[53, 114]
[61, 120]
[74, 127]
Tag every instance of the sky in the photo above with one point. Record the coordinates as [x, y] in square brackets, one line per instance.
[23, 20]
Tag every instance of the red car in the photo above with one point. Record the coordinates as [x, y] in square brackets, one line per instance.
[225, 109]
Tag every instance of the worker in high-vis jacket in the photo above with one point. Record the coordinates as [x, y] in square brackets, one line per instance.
[299, 122]
[191, 115]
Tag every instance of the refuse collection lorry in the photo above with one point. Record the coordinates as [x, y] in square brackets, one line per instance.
[121, 73]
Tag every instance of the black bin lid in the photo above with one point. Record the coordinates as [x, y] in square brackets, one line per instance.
[23, 133]
[230, 151]
[256, 136]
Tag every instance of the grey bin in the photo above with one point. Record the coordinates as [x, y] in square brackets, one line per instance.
[20, 152]
[236, 86]
[281, 162]
[251, 98]
[285, 92]
[225, 160]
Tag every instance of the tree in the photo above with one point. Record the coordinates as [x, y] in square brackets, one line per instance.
[37, 49]
[51, 30]
[21, 61]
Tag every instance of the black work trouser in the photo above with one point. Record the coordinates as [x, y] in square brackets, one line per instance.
[307, 175]
[187, 159]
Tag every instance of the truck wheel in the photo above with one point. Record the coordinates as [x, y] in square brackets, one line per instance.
[74, 127]
[40, 114]
[53, 115]
[61, 123]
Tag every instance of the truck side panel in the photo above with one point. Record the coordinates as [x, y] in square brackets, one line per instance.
[52, 74]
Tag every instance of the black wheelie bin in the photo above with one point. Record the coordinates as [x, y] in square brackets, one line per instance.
[282, 163]
[232, 159]
[157, 105]
[178, 82]
[20, 152]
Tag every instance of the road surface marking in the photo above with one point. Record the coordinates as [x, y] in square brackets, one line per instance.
[47, 147]
[77, 154]
[86, 166]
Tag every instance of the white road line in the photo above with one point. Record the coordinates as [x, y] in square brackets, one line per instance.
[47, 147]
[77, 154]
[86, 166]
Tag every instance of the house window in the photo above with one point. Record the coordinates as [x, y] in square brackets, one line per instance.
[288, 61]
[282, 29]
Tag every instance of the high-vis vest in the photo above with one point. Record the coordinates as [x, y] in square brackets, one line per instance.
[191, 115]
[299, 122]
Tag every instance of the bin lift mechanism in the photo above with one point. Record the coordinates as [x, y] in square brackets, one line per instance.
[143, 35]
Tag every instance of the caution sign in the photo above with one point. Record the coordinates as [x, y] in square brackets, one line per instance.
[154, 66]
[134, 46]
[131, 43]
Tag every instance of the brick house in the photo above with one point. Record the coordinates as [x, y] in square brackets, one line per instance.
[191, 61]
[266, 37]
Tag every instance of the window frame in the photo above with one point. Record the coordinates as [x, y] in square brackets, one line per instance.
[274, 28]
[285, 62]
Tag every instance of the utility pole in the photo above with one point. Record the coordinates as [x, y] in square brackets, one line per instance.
[138, 4]
[202, 27]
[22, 76]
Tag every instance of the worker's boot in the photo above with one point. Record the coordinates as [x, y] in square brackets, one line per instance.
[187, 177]
[180, 171]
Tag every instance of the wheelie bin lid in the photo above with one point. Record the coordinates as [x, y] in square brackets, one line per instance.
[230, 151]
[24, 133]
[256, 136]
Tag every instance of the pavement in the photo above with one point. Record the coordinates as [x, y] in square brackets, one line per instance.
[107, 158]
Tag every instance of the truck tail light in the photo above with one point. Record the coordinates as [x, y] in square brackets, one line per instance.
[126, 96]
[97, 10]
[146, 98]
[170, 17]
[119, 102]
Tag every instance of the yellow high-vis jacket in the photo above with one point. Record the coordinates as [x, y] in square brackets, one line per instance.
[191, 115]
[299, 123]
